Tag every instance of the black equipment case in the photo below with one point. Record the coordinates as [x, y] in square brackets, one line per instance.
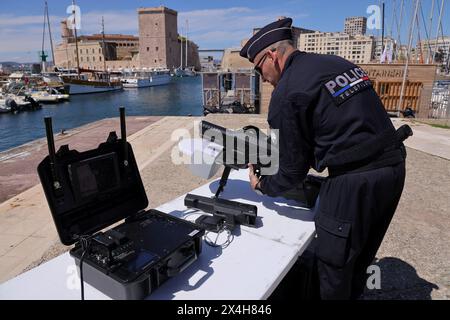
[92, 190]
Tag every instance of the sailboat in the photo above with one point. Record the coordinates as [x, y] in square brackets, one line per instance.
[186, 71]
[178, 72]
[91, 81]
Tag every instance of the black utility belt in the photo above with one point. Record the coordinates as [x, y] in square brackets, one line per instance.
[386, 159]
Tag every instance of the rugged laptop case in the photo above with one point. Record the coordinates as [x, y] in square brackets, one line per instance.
[92, 190]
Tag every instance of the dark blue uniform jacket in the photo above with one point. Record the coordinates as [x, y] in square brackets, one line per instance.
[322, 106]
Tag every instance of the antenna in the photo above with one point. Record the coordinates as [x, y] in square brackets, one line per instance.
[51, 151]
[123, 135]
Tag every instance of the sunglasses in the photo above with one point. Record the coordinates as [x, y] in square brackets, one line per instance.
[258, 67]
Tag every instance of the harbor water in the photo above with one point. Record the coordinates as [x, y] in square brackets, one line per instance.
[181, 97]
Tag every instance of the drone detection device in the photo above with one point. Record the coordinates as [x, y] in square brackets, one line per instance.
[212, 147]
[92, 190]
[226, 212]
[249, 145]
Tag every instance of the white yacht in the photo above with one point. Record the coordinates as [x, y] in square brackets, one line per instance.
[143, 79]
[51, 95]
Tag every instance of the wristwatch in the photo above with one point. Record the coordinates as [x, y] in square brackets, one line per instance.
[258, 189]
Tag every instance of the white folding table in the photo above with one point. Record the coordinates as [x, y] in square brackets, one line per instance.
[250, 267]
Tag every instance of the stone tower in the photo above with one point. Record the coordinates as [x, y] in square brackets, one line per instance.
[66, 33]
[158, 38]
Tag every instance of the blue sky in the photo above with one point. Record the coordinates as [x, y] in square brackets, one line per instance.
[212, 24]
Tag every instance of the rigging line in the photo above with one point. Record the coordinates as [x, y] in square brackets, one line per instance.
[419, 41]
[398, 36]
[405, 71]
[438, 45]
[440, 22]
[430, 30]
[378, 30]
[392, 19]
[426, 33]
[401, 18]
[50, 34]
[437, 31]
[399, 28]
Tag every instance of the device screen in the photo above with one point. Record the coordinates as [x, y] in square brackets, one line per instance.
[95, 175]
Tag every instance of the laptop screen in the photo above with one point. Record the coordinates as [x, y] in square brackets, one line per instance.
[94, 176]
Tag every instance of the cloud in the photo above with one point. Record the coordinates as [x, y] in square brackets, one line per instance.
[216, 39]
[23, 34]
[27, 39]
[115, 22]
[228, 26]
[9, 20]
[209, 28]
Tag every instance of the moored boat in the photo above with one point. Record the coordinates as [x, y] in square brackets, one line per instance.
[143, 79]
[84, 85]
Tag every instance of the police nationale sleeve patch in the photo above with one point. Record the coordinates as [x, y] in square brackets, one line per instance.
[347, 84]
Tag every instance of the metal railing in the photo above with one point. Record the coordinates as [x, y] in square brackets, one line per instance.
[440, 105]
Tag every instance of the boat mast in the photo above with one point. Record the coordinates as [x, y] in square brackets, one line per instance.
[103, 44]
[76, 37]
[181, 48]
[186, 53]
[43, 55]
[405, 71]
[50, 33]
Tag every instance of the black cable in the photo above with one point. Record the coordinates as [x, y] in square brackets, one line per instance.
[81, 276]
[85, 244]
[230, 238]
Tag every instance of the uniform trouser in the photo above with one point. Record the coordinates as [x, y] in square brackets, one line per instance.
[352, 218]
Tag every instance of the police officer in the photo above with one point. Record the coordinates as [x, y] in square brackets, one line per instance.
[329, 116]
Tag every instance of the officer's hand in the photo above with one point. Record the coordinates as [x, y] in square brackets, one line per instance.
[252, 176]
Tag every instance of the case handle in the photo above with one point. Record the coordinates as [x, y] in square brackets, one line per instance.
[173, 271]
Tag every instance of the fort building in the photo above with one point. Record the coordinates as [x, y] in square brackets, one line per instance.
[158, 45]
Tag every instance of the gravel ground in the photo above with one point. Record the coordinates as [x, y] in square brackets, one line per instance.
[414, 257]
